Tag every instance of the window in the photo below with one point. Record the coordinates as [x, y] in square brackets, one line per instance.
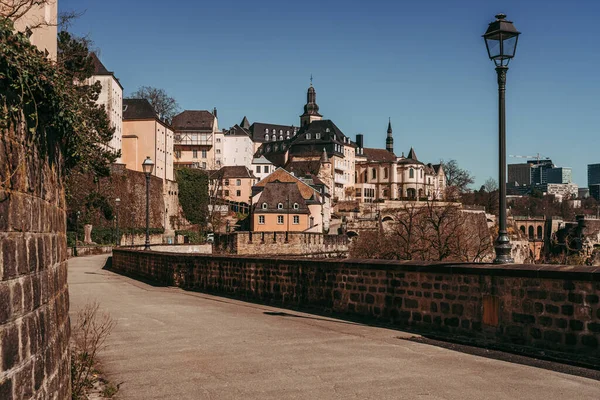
[194, 153]
[280, 137]
[274, 138]
[203, 153]
[385, 173]
[296, 219]
[280, 220]
[374, 174]
[317, 136]
[238, 182]
[266, 130]
[266, 169]
[203, 165]
[258, 169]
[312, 222]
[238, 193]
[261, 219]
[296, 206]
[226, 183]
[411, 173]
[429, 181]
[264, 206]
[327, 130]
[267, 137]
[308, 135]
[177, 153]
[280, 206]
[421, 173]
[227, 193]
[218, 140]
[218, 151]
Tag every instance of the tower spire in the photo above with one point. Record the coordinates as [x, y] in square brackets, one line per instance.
[389, 141]
[311, 109]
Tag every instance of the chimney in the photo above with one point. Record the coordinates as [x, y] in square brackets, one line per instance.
[215, 112]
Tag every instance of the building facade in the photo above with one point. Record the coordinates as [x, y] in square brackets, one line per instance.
[560, 175]
[196, 138]
[234, 183]
[238, 148]
[593, 171]
[40, 24]
[145, 135]
[111, 97]
[563, 191]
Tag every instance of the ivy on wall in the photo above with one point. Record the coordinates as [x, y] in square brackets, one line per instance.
[193, 195]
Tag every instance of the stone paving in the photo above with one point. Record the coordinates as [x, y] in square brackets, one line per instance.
[173, 344]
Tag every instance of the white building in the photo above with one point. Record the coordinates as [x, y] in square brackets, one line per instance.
[563, 191]
[111, 97]
[238, 148]
[262, 167]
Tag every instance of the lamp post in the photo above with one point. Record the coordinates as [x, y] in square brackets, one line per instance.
[147, 167]
[501, 42]
[117, 203]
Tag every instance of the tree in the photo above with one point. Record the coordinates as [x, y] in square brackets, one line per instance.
[456, 177]
[165, 106]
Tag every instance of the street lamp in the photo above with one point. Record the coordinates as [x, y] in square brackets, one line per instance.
[147, 167]
[501, 42]
[117, 203]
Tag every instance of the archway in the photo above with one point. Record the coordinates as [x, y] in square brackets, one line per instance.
[387, 218]
[531, 233]
[540, 232]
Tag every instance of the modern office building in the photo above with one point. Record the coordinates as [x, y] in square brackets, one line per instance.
[561, 175]
[593, 174]
[519, 174]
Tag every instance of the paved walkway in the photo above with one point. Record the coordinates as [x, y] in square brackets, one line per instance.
[173, 344]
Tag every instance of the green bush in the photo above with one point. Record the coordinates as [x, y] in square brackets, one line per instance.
[194, 237]
[193, 194]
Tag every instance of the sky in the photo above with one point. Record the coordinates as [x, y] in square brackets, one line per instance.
[422, 63]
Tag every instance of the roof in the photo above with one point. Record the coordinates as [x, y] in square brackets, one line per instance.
[258, 131]
[412, 155]
[285, 193]
[261, 160]
[99, 68]
[138, 109]
[237, 130]
[379, 155]
[194, 120]
[237, 171]
[245, 124]
[281, 175]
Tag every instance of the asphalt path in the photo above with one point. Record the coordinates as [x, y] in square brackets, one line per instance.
[173, 344]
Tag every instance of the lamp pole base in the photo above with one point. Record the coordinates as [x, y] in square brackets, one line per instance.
[503, 250]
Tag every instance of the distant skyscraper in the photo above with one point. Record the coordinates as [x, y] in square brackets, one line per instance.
[539, 171]
[560, 175]
[519, 174]
[593, 174]
[595, 191]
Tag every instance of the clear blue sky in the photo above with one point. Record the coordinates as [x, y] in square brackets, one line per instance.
[423, 63]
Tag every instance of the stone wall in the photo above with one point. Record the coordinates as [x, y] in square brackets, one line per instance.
[34, 300]
[282, 243]
[548, 307]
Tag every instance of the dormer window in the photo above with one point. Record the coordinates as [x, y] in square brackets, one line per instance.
[274, 131]
[280, 137]
[327, 130]
[267, 137]
[296, 206]
[266, 130]
[264, 206]
[274, 137]
[317, 136]
[281, 131]
[280, 206]
[308, 135]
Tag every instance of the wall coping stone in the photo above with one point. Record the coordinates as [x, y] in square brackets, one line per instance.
[541, 271]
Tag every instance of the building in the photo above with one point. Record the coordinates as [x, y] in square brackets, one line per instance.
[539, 171]
[381, 175]
[144, 134]
[583, 193]
[261, 132]
[290, 148]
[111, 97]
[519, 174]
[238, 148]
[284, 203]
[595, 191]
[40, 24]
[235, 183]
[560, 175]
[593, 174]
[562, 191]
[197, 139]
[261, 167]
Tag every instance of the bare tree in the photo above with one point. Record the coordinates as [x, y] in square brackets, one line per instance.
[405, 231]
[164, 105]
[457, 177]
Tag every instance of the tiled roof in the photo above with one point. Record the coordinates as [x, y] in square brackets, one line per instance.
[302, 168]
[281, 175]
[194, 120]
[237, 171]
[237, 130]
[285, 193]
[379, 155]
[258, 131]
[137, 109]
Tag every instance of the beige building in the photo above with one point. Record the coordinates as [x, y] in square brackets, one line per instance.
[144, 134]
[234, 183]
[111, 97]
[284, 203]
[197, 140]
[39, 23]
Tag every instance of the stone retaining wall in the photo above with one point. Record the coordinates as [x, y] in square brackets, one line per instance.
[34, 299]
[549, 307]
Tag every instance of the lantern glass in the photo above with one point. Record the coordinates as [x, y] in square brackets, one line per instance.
[501, 40]
[148, 166]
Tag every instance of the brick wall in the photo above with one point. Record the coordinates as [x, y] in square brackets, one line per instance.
[274, 243]
[34, 300]
[549, 307]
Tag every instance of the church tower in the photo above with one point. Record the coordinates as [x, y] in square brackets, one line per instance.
[389, 141]
[311, 109]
